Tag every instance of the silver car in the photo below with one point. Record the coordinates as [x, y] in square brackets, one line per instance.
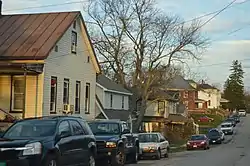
[153, 145]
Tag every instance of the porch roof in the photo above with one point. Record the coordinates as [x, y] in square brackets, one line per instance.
[18, 68]
[199, 101]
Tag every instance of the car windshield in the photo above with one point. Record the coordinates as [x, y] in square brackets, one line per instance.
[213, 133]
[148, 138]
[104, 128]
[226, 125]
[197, 137]
[31, 129]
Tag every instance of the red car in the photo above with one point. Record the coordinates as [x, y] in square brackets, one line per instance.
[205, 119]
[198, 142]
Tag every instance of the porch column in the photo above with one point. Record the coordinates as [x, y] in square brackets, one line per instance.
[24, 93]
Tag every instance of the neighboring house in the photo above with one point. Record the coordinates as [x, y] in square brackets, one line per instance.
[186, 93]
[112, 100]
[209, 94]
[47, 65]
[160, 104]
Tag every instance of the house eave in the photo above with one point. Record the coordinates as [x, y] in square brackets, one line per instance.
[113, 91]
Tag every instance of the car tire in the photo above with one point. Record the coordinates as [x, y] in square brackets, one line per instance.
[120, 158]
[51, 161]
[91, 161]
[158, 156]
[166, 155]
[135, 155]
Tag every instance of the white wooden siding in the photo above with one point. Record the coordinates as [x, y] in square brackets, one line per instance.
[117, 101]
[75, 67]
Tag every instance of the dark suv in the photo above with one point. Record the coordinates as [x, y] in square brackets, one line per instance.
[48, 141]
[115, 143]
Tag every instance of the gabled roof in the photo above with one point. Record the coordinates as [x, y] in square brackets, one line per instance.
[179, 83]
[33, 36]
[110, 85]
[205, 86]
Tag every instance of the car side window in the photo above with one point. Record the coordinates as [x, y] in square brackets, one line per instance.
[161, 137]
[76, 127]
[124, 127]
[86, 127]
[64, 127]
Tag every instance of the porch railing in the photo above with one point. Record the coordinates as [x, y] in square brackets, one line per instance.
[7, 113]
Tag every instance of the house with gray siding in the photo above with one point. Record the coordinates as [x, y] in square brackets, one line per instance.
[47, 65]
[112, 100]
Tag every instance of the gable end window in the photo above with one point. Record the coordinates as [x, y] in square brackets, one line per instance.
[73, 42]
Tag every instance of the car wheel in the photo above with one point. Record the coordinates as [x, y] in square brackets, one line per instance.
[135, 155]
[91, 160]
[166, 155]
[120, 157]
[158, 156]
[51, 161]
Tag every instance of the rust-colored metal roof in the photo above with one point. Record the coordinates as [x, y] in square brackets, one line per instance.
[32, 36]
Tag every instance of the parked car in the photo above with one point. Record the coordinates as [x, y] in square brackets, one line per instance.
[205, 119]
[198, 142]
[242, 112]
[48, 141]
[153, 145]
[232, 120]
[220, 131]
[115, 142]
[227, 128]
[236, 118]
[214, 136]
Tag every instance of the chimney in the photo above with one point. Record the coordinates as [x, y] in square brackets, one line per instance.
[1, 4]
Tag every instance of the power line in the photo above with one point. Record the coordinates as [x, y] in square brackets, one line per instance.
[45, 6]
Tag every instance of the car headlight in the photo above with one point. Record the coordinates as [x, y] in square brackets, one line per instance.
[203, 142]
[188, 143]
[110, 144]
[32, 149]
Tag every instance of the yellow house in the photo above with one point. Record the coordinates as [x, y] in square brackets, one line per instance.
[47, 65]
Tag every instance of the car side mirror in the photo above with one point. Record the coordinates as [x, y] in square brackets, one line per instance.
[125, 131]
[162, 140]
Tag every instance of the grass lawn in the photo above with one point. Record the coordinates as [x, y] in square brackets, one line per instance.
[205, 126]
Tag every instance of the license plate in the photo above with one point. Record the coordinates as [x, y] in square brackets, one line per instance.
[2, 164]
[195, 146]
[213, 141]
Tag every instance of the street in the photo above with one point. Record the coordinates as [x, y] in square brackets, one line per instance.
[234, 152]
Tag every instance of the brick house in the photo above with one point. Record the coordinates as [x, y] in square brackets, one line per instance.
[187, 94]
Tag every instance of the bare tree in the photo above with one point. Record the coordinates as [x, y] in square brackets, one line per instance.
[138, 43]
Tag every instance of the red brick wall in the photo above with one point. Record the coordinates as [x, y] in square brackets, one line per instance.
[190, 99]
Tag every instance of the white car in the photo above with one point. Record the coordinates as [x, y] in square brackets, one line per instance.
[227, 128]
[242, 112]
[153, 145]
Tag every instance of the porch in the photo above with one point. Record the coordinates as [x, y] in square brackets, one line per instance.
[21, 89]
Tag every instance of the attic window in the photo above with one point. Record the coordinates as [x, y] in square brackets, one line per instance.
[56, 48]
[73, 42]
[74, 24]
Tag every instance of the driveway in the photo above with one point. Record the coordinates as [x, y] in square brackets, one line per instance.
[235, 151]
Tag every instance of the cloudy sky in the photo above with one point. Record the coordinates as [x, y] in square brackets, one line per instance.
[228, 32]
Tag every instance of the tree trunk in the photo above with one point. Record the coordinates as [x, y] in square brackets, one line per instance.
[140, 117]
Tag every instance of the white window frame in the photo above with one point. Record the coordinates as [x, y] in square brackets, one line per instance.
[53, 108]
[19, 78]
[78, 97]
[87, 99]
[74, 42]
[67, 83]
[123, 99]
